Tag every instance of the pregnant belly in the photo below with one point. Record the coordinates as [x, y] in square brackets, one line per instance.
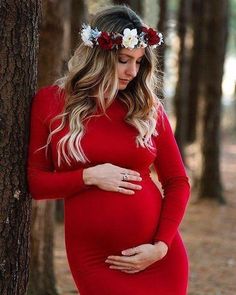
[103, 221]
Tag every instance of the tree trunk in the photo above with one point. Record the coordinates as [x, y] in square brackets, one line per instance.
[79, 15]
[162, 27]
[136, 5]
[195, 72]
[51, 53]
[216, 26]
[51, 42]
[180, 99]
[18, 54]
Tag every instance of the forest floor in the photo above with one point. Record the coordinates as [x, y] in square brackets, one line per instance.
[209, 233]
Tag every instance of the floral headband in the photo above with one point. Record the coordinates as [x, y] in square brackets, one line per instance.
[129, 39]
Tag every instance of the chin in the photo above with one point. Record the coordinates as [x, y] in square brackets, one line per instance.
[122, 87]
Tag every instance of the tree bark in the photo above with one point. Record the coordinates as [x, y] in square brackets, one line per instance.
[162, 27]
[195, 80]
[136, 5]
[19, 22]
[180, 99]
[216, 28]
[51, 54]
[79, 15]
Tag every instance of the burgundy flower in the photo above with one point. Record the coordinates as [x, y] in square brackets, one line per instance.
[105, 41]
[117, 40]
[151, 36]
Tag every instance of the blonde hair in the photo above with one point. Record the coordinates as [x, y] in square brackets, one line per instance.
[92, 68]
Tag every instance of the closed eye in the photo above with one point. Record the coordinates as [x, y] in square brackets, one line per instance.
[124, 62]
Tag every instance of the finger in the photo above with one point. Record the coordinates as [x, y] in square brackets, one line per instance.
[121, 268]
[130, 271]
[130, 185]
[130, 172]
[131, 251]
[120, 264]
[133, 178]
[124, 259]
[125, 191]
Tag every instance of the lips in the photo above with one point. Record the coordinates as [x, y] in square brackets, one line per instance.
[124, 80]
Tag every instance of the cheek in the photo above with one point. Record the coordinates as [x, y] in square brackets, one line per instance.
[121, 69]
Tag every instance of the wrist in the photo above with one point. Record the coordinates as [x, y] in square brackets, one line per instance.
[161, 247]
[88, 177]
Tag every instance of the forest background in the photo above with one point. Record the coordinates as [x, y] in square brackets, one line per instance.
[199, 65]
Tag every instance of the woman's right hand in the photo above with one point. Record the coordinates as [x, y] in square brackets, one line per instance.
[112, 178]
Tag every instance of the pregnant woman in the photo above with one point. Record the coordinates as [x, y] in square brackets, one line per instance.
[94, 135]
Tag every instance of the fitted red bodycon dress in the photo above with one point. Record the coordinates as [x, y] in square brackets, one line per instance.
[100, 223]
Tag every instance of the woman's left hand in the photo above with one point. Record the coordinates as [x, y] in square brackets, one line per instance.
[138, 258]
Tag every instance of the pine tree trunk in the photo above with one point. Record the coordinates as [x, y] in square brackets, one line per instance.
[162, 27]
[51, 53]
[180, 99]
[79, 15]
[136, 5]
[195, 72]
[216, 25]
[19, 22]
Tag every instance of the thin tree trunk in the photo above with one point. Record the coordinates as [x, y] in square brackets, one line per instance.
[195, 72]
[136, 5]
[180, 99]
[42, 277]
[162, 27]
[216, 26]
[19, 22]
[79, 15]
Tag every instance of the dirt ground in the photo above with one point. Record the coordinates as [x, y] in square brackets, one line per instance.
[209, 232]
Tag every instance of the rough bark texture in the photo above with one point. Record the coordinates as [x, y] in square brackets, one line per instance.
[195, 71]
[180, 100]
[18, 72]
[215, 25]
[136, 5]
[51, 42]
[51, 55]
[79, 15]
[162, 27]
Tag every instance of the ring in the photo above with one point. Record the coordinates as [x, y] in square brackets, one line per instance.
[125, 177]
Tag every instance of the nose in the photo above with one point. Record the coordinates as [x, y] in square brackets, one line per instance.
[132, 69]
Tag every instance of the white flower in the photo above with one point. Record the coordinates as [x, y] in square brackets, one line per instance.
[86, 34]
[161, 38]
[130, 38]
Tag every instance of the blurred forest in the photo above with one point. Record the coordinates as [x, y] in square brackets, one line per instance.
[198, 71]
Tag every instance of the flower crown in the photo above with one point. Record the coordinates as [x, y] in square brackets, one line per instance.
[129, 39]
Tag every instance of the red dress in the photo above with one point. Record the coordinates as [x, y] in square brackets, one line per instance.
[100, 223]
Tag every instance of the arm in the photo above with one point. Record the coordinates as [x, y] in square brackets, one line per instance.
[43, 181]
[172, 175]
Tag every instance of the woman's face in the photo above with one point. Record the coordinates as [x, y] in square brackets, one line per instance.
[128, 65]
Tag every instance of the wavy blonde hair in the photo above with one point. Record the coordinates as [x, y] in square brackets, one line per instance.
[96, 69]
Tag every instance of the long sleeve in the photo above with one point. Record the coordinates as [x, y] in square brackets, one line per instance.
[174, 180]
[43, 181]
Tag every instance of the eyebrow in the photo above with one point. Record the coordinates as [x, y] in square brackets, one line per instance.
[131, 55]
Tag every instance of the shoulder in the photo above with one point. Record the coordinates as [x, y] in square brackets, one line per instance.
[162, 122]
[49, 93]
[48, 101]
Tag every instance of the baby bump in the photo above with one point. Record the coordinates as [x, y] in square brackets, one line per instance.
[113, 220]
